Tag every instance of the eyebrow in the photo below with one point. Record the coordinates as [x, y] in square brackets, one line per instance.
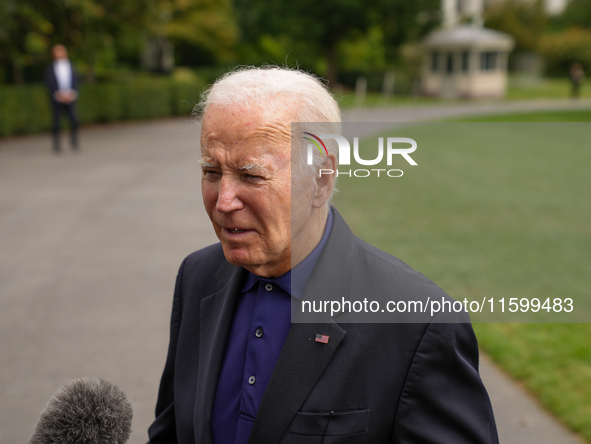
[206, 163]
[250, 166]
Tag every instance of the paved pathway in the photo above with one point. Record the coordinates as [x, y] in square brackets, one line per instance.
[89, 247]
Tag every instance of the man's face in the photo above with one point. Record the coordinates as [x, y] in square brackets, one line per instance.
[59, 52]
[246, 184]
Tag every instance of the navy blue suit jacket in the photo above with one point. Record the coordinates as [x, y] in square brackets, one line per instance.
[371, 383]
[51, 80]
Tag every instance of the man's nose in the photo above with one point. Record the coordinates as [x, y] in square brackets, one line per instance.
[228, 196]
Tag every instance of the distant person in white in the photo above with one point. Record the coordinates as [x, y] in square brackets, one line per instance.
[61, 81]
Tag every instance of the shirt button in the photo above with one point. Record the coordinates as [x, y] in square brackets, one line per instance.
[268, 287]
[252, 380]
[259, 332]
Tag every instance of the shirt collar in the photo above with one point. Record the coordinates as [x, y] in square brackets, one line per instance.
[302, 271]
[283, 281]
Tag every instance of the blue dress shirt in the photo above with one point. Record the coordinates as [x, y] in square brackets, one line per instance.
[261, 323]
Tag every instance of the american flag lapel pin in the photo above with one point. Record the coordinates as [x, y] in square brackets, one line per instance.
[323, 339]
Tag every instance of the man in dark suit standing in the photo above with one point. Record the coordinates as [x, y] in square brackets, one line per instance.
[62, 82]
[238, 370]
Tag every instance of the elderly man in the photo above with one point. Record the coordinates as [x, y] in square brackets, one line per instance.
[237, 369]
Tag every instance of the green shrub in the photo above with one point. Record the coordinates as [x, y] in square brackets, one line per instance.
[27, 109]
[185, 96]
[24, 109]
[210, 74]
[147, 99]
[565, 48]
[100, 102]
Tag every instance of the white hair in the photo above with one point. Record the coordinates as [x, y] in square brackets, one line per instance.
[249, 85]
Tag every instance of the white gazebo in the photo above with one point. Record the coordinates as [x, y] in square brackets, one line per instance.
[466, 61]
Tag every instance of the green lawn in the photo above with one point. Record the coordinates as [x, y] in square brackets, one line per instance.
[497, 210]
[519, 88]
[538, 116]
[548, 88]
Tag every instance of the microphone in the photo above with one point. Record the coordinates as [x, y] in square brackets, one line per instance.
[85, 411]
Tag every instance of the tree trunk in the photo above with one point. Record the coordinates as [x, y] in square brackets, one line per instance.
[17, 72]
[331, 73]
[90, 76]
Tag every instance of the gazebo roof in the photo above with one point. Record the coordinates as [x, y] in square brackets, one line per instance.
[469, 36]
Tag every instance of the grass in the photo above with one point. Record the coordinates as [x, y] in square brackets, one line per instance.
[538, 116]
[521, 88]
[497, 210]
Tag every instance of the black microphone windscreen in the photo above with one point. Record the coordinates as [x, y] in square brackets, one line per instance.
[85, 411]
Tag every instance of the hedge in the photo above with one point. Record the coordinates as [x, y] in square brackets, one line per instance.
[562, 49]
[26, 109]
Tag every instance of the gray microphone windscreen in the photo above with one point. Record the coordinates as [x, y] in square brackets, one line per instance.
[85, 411]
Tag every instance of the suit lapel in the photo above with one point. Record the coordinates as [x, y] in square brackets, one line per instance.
[216, 314]
[302, 360]
[301, 363]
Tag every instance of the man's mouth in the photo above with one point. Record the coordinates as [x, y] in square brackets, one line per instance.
[235, 230]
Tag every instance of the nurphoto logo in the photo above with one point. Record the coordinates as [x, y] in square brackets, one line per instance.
[345, 154]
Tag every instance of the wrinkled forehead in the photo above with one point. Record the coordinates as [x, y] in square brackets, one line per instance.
[268, 123]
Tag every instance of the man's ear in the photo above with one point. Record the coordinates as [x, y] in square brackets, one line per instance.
[325, 179]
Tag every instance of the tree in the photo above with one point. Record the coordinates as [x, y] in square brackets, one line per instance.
[526, 22]
[577, 13]
[569, 41]
[23, 36]
[561, 50]
[323, 25]
[95, 31]
[204, 25]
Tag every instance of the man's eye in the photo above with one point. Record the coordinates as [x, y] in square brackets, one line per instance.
[211, 174]
[252, 177]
